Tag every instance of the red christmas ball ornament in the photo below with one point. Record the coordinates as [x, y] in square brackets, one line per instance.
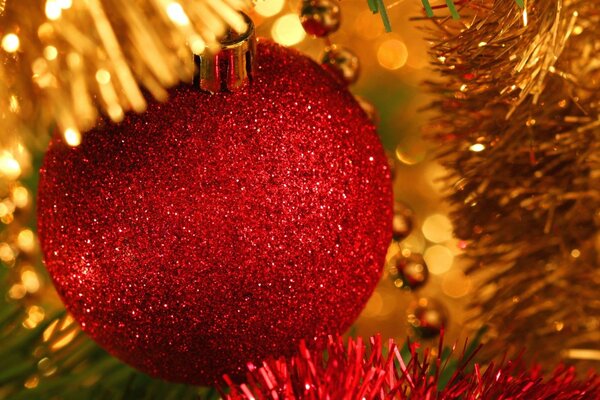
[214, 230]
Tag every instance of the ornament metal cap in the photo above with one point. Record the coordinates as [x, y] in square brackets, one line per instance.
[229, 67]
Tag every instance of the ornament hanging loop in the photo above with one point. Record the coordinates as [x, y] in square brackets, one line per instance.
[229, 67]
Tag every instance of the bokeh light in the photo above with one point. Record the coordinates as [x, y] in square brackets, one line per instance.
[9, 167]
[456, 284]
[439, 259]
[50, 52]
[437, 228]
[65, 4]
[103, 76]
[53, 10]
[11, 43]
[268, 8]
[30, 280]
[392, 54]
[26, 240]
[288, 30]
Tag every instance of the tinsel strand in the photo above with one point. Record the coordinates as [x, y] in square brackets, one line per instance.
[64, 60]
[518, 128]
[358, 370]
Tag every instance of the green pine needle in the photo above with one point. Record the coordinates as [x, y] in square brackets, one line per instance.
[373, 6]
[384, 16]
[452, 8]
[377, 6]
[428, 9]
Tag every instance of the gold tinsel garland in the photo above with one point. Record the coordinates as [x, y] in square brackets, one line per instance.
[518, 126]
[63, 60]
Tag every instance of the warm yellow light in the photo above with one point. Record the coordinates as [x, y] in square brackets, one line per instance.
[115, 112]
[176, 14]
[72, 137]
[35, 315]
[50, 52]
[197, 44]
[575, 253]
[49, 331]
[17, 291]
[392, 54]
[64, 4]
[477, 147]
[53, 10]
[10, 43]
[9, 167]
[74, 60]
[13, 104]
[583, 354]
[32, 382]
[268, 8]
[559, 326]
[7, 207]
[103, 76]
[30, 280]
[287, 30]
[20, 196]
[64, 340]
[26, 240]
[6, 253]
[439, 259]
[411, 153]
[437, 228]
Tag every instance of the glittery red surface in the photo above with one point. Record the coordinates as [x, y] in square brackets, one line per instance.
[215, 230]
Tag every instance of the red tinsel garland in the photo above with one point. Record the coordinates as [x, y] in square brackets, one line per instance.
[358, 371]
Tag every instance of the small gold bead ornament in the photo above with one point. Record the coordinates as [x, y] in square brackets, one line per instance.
[341, 61]
[320, 18]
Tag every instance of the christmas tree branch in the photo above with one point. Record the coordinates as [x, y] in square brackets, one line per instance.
[518, 130]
